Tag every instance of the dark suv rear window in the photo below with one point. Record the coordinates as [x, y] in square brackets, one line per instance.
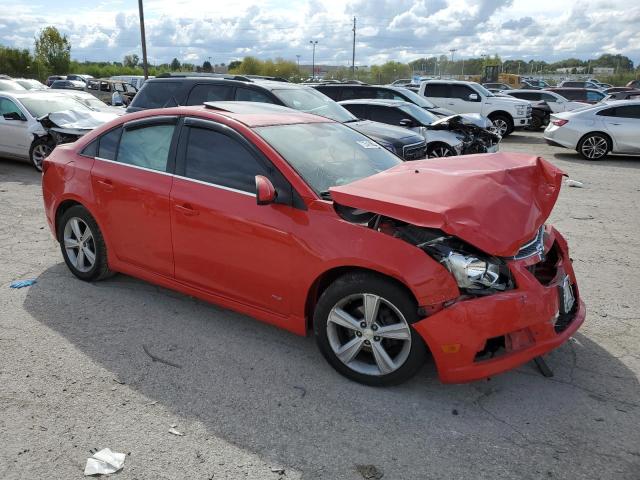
[157, 95]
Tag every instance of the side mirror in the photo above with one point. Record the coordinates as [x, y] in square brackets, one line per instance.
[407, 122]
[265, 192]
[473, 97]
[13, 116]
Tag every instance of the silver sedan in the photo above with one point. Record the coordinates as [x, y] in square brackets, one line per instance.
[598, 130]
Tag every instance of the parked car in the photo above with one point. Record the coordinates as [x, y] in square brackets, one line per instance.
[584, 95]
[497, 86]
[135, 80]
[111, 92]
[172, 90]
[599, 130]
[611, 90]
[30, 84]
[53, 78]
[10, 85]
[92, 102]
[306, 224]
[444, 139]
[388, 92]
[67, 85]
[540, 115]
[27, 132]
[401, 82]
[634, 84]
[505, 112]
[80, 77]
[533, 84]
[556, 102]
[624, 95]
[579, 84]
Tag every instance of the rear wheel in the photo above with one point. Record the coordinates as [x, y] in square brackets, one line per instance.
[40, 149]
[362, 327]
[502, 123]
[594, 146]
[82, 245]
[440, 150]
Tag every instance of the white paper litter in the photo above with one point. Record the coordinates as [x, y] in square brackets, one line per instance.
[104, 462]
[173, 431]
[573, 183]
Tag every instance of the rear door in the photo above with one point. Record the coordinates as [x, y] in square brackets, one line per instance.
[223, 241]
[439, 94]
[131, 181]
[623, 123]
[460, 102]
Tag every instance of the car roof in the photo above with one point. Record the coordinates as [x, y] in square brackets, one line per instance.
[18, 94]
[251, 114]
[571, 89]
[375, 101]
[234, 79]
[457, 82]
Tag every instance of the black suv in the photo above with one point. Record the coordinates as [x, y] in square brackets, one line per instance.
[340, 93]
[187, 89]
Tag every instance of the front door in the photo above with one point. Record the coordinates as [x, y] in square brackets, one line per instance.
[15, 138]
[132, 187]
[223, 241]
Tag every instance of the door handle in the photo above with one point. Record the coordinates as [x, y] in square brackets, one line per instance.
[106, 184]
[187, 210]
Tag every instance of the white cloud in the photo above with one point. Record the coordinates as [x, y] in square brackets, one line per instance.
[194, 30]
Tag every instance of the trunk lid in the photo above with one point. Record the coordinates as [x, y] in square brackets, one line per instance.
[496, 202]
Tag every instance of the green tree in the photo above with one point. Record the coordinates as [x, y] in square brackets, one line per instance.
[175, 65]
[248, 66]
[234, 64]
[206, 66]
[131, 60]
[53, 50]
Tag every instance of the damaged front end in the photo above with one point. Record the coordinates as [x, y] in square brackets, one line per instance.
[477, 133]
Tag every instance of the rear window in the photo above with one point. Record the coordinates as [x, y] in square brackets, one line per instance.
[157, 95]
[439, 90]
[209, 93]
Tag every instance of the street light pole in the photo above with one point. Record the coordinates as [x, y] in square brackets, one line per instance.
[313, 59]
[143, 41]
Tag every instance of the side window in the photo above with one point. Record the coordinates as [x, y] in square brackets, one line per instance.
[570, 94]
[119, 87]
[332, 92]
[146, 147]
[7, 106]
[93, 85]
[219, 159]
[105, 87]
[157, 95]
[357, 110]
[594, 96]
[628, 111]
[549, 98]
[461, 91]
[248, 95]
[209, 93]
[388, 115]
[90, 150]
[386, 94]
[440, 90]
[108, 144]
[352, 93]
[609, 112]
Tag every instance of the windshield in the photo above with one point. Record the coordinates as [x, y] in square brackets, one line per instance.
[312, 101]
[328, 154]
[482, 90]
[417, 99]
[423, 116]
[31, 84]
[41, 106]
[10, 85]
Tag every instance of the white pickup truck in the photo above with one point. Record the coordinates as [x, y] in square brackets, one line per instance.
[506, 113]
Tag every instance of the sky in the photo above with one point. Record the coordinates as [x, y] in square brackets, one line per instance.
[401, 30]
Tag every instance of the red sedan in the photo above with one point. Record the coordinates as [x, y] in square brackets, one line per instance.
[306, 224]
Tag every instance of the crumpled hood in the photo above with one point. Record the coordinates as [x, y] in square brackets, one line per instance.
[467, 119]
[81, 119]
[496, 202]
[382, 130]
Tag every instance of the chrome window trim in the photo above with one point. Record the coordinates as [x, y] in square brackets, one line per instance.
[202, 182]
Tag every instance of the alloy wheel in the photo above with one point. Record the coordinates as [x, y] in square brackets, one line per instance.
[595, 147]
[501, 126]
[79, 244]
[441, 151]
[40, 152]
[369, 334]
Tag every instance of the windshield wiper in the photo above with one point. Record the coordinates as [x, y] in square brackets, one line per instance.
[325, 195]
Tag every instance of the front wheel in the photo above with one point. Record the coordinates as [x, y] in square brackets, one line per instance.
[502, 124]
[594, 146]
[362, 325]
[440, 150]
[40, 149]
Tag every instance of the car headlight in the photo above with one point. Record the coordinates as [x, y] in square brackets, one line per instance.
[521, 109]
[472, 272]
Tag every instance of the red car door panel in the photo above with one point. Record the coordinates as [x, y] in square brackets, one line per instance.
[227, 244]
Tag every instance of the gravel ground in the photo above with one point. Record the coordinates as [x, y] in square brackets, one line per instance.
[251, 399]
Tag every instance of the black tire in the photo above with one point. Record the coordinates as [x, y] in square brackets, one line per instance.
[594, 146]
[410, 356]
[100, 268]
[437, 150]
[40, 148]
[536, 123]
[503, 124]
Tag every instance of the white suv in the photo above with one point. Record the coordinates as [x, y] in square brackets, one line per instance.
[506, 113]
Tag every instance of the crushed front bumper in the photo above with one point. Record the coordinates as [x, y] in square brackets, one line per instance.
[525, 320]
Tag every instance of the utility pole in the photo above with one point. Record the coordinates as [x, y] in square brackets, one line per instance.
[462, 72]
[313, 59]
[298, 60]
[353, 53]
[145, 67]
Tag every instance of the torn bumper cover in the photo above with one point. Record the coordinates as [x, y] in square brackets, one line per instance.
[69, 125]
[484, 336]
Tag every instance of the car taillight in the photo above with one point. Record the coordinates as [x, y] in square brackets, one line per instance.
[559, 123]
